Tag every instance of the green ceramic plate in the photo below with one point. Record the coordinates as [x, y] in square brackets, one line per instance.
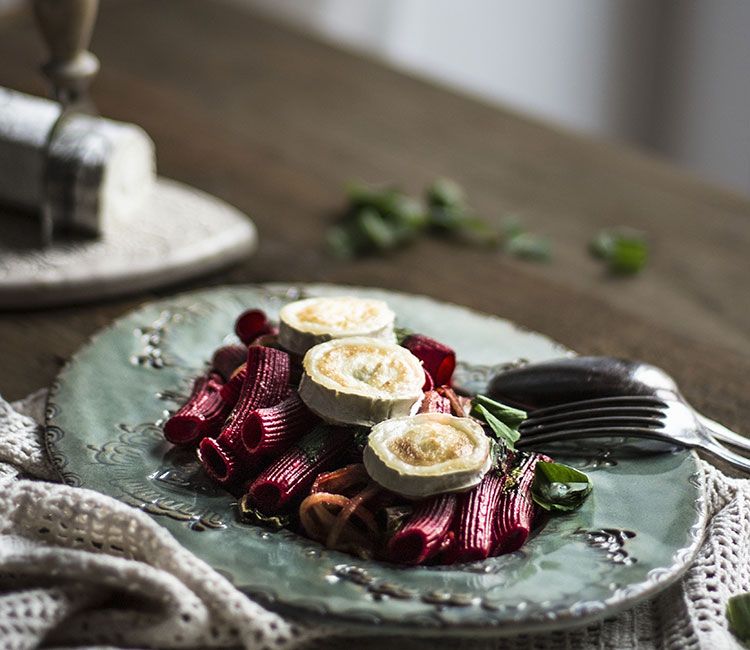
[633, 536]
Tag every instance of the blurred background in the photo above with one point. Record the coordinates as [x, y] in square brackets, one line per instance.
[669, 76]
[278, 125]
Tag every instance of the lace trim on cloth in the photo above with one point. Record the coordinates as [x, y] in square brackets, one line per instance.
[80, 569]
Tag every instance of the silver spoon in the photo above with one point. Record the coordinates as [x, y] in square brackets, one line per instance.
[574, 379]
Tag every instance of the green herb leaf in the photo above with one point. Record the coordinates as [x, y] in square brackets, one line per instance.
[522, 244]
[376, 221]
[529, 247]
[504, 433]
[446, 218]
[391, 204]
[384, 200]
[444, 192]
[375, 230]
[624, 250]
[503, 420]
[558, 487]
[407, 213]
[380, 219]
[402, 333]
[449, 214]
[506, 414]
[738, 615]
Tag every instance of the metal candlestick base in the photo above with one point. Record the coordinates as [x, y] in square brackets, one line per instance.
[180, 233]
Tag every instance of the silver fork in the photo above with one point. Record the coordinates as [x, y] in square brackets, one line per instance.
[645, 417]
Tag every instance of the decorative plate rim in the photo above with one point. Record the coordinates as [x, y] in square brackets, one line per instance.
[579, 614]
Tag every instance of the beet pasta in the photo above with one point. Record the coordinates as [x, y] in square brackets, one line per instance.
[429, 479]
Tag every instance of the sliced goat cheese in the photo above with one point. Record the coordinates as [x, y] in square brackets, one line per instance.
[361, 380]
[305, 323]
[427, 454]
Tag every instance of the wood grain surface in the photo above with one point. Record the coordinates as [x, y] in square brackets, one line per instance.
[275, 123]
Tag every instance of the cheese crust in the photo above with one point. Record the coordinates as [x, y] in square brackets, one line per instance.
[427, 454]
[306, 323]
[361, 380]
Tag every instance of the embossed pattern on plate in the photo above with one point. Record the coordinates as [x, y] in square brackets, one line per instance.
[635, 535]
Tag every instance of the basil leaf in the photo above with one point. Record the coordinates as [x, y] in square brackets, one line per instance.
[558, 487]
[529, 247]
[445, 193]
[506, 414]
[449, 214]
[522, 244]
[504, 433]
[629, 257]
[408, 215]
[383, 200]
[465, 226]
[390, 204]
[375, 229]
[624, 250]
[738, 615]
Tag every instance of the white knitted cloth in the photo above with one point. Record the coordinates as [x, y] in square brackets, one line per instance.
[80, 569]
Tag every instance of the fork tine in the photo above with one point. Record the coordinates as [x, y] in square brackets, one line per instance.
[623, 412]
[602, 402]
[601, 432]
[596, 423]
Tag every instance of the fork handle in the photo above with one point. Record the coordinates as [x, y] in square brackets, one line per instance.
[716, 449]
[723, 433]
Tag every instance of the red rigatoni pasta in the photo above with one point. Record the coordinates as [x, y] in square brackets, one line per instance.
[475, 519]
[220, 463]
[516, 509]
[227, 359]
[266, 384]
[230, 391]
[439, 360]
[448, 550]
[422, 536]
[251, 324]
[202, 415]
[288, 479]
[272, 430]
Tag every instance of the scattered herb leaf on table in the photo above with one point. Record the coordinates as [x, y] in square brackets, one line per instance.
[625, 251]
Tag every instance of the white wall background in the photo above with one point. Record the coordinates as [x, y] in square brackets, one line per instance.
[669, 75]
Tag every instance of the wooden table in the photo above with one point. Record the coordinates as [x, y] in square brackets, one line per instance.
[276, 123]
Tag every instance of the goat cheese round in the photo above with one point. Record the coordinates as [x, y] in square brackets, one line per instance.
[427, 454]
[305, 323]
[361, 380]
